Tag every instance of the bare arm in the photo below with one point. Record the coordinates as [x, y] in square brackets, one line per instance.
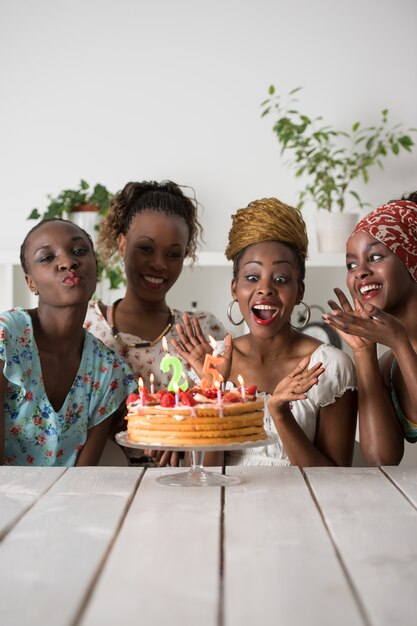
[94, 446]
[335, 432]
[380, 432]
[381, 435]
[2, 391]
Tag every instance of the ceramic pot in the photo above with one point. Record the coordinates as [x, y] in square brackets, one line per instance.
[87, 216]
[333, 230]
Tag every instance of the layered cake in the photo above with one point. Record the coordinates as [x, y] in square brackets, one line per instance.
[196, 417]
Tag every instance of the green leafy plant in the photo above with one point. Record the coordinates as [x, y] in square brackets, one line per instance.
[330, 160]
[69, 200]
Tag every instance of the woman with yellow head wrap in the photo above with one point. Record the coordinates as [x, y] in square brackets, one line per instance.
[381, 260]
[309, 386]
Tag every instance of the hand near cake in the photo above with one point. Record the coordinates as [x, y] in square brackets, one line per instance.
[194, 347]
[294, 387]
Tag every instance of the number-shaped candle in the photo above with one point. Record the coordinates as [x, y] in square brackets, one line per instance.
[172, 362]
[209, 367]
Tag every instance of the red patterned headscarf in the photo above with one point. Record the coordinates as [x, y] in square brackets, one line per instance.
[395, 225]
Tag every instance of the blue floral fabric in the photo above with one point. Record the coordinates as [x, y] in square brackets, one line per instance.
[36, 434]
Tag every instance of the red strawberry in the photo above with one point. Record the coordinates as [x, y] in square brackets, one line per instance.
[251, 390]
[167, 400]
[230, 397]
[187, 399]
[132, 397]
[211, 393]
[160, 393]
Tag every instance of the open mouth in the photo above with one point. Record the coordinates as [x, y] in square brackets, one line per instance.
[264, 313]
[369, 291]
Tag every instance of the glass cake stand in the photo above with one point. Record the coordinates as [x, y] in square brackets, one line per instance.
[196, 476]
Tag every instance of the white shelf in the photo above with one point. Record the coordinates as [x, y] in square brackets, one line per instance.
[316, 259]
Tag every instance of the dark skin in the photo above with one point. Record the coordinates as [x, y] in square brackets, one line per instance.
[276, 357]
[154, 249]
[385, 300]
[62, 269]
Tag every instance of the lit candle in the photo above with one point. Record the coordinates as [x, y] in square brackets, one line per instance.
[140, 384]
[151, 378]
[242, 388]
[173, 362]
[177, 395]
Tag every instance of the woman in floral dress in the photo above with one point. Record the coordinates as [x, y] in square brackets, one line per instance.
[59, 385]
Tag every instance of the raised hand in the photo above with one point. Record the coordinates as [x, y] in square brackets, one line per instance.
[193, 345]
[295, 385]
[365, 325]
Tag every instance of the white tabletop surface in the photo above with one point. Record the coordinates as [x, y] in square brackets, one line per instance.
[108, 545]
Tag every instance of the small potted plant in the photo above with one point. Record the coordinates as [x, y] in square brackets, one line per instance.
[84, 206]
[329, 161]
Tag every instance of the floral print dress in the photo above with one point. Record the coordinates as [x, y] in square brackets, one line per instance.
[36, 434]
[147, 361]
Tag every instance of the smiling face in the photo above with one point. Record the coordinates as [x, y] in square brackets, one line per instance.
[61, 264]
[267, 286]
[154, 249]
[375, 274]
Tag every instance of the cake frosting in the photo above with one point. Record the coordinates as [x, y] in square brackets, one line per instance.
[201, 417]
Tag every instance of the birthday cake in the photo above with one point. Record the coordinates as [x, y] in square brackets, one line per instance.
[200, 417]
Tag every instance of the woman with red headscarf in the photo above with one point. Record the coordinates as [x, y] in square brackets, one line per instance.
[381, 261]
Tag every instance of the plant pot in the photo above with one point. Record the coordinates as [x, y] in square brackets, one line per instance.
[334, 229]
[87, 217]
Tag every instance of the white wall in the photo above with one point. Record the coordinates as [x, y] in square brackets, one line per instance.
[115, 90]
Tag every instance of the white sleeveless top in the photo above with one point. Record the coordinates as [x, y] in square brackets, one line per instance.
[339, 376]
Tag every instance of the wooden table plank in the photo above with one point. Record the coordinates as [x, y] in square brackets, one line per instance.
[20, 487]
[405, 479]
[50, 559]
[280, 565]
[165, 561]
[375, 530]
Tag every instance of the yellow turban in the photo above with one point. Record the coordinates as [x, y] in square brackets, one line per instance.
[267, 219]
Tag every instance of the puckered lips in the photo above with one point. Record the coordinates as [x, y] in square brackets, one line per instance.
[71, 279]
[264, 312]
[153, 282]
[369, 290]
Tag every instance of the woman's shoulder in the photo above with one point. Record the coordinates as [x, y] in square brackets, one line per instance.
[326, 353]
[209, 323]
[16, 318]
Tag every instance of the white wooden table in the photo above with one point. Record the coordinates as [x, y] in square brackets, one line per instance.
[108, 545]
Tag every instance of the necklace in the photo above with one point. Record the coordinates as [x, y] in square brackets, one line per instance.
[111, 309]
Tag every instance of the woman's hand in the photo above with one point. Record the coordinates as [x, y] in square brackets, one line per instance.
[193, 345]
[365, 325]
[164, 458]
[294, 386]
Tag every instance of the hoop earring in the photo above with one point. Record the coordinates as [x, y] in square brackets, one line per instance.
[305, 318]
[229, 315]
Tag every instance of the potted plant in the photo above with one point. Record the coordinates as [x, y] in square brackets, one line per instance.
[329, 161]
[85, 206]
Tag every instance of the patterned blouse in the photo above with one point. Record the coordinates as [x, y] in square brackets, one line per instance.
[36, 434]
[144, 361]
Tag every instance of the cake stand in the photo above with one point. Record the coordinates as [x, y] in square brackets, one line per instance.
[196, 476]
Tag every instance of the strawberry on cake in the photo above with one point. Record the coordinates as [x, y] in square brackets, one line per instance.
[199, 416]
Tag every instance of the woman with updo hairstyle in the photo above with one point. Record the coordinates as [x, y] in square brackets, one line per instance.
[309, 386]
[381, 264]
[153, 227]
